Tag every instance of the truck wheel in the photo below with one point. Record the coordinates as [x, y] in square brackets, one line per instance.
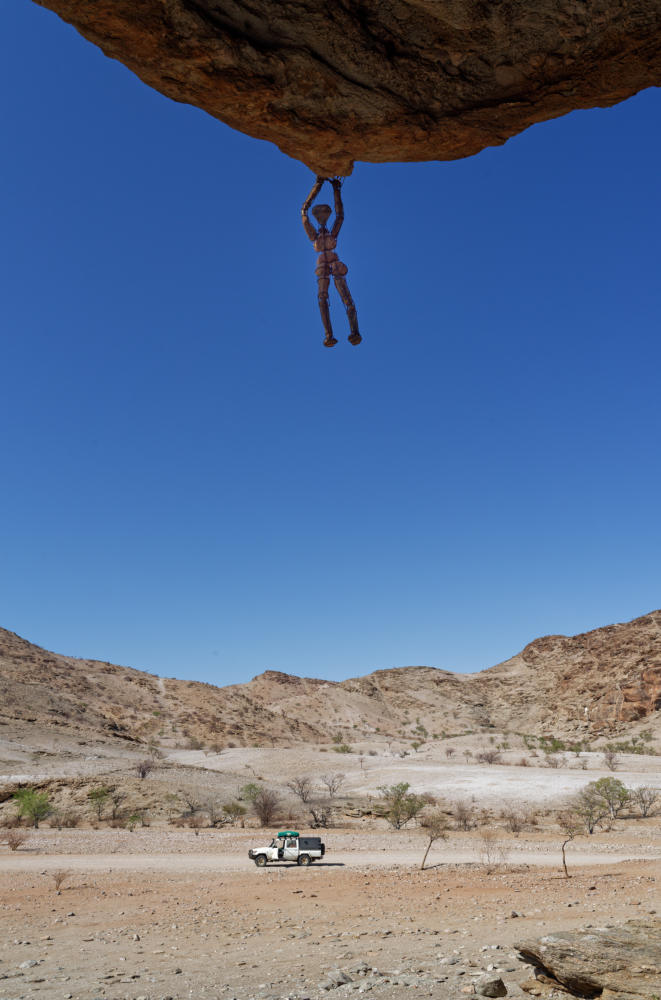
[304, 859]
[260, 861]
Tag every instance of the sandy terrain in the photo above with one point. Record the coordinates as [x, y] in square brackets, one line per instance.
[429, 771]
[162, 914]
[280, 932]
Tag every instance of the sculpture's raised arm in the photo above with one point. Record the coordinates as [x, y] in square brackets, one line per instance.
[339, 207]
[305, 218]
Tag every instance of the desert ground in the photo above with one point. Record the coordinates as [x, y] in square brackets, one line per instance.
[174, 920]
[162, 912]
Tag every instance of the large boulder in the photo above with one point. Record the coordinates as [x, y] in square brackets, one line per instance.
[380, 80]
[623, 963]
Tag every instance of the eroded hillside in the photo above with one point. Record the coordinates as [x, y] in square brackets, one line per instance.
[606, 681]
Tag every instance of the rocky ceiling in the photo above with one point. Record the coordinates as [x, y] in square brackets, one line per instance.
[380, 80]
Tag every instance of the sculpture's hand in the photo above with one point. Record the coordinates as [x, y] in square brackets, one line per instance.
[337, 182]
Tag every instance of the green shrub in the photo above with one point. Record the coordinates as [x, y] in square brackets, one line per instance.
[32, 804]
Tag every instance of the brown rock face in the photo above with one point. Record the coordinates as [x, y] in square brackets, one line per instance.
[619, 962]
[601, 683]
[380, 80]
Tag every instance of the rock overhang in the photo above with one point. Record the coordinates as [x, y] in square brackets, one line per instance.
[380, 80]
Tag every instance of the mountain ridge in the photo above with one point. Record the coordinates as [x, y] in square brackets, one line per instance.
[607, 680]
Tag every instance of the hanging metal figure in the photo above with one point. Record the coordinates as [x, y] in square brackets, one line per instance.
[328, 263]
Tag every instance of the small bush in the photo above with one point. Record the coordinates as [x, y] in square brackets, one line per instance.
[234, 811]
[144, 767]
[65, 819]
[15, 838]
[60, 876]
[321, 817]
[10, 822]
[493, 851]
[647, 799]
[464, 815]
[513, 820]
[132, 821]
[265, 805]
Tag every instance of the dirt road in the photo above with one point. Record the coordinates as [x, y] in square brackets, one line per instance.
[175, 863]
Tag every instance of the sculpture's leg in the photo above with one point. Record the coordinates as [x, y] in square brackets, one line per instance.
[345, 295]
[323, 282]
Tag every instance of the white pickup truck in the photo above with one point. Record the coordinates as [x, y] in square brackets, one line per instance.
[289, 846]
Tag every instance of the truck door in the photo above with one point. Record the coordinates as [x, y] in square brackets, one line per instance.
[291, 849]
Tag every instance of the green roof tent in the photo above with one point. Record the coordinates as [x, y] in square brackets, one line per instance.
[288, 833]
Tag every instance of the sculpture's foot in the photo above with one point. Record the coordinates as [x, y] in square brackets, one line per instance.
[330, 342]
[354, 338]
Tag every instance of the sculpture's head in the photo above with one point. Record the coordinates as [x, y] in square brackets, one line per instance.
[322, 213]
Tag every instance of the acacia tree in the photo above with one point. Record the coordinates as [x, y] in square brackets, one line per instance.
[265, 804]
[98, 798]
[302, 787]
[401, 804]
[613, 793]
[249, 792]
[590, 808]
[32, 804]
[646, 798]
[333, 783]
[436, 827]
[571, 826]
[117, 797]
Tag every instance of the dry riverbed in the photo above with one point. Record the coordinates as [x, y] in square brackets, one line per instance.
[164, 914]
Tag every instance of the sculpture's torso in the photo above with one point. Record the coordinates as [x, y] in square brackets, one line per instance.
[325, 244]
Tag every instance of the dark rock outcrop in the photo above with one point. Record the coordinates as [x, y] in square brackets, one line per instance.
[380, 80]
[623, 963]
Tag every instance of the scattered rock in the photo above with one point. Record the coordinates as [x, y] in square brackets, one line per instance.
[491, 986]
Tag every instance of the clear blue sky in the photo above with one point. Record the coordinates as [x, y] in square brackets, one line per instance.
[193, 485]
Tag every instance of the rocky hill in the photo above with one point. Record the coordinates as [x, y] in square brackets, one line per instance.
[606, 682]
